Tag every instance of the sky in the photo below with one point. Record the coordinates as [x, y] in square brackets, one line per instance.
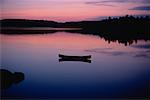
[71, 10]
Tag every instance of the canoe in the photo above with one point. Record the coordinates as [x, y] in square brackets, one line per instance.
[74, 57]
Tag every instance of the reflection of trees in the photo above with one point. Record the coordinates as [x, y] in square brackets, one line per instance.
[8, 78]
[125, 42]
[123, 39]
[125, 30]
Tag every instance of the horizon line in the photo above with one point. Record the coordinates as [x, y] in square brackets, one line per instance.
[91, 19]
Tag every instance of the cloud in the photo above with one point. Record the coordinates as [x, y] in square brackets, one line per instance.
[97, 3]
[146, 8]
[118, 1]
[146, 46]
[111, 52]
[111, 2]
[108, 51]
[142, 56]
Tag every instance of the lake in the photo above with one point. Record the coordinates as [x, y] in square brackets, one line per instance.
[114, 70]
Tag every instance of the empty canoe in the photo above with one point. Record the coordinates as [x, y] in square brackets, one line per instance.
[75, 57]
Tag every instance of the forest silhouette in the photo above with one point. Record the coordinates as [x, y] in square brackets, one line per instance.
[126, 29]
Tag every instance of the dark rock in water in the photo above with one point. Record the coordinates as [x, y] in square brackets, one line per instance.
[18, 77]
[8, 78]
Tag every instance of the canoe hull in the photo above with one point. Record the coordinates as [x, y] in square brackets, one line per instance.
[74, 57]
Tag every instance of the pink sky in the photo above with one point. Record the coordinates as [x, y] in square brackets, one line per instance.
[70, 10]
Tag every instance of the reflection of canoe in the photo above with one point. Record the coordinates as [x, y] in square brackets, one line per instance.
[74, 57]
[78, 60]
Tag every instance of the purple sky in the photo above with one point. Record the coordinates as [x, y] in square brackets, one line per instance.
[72, 10]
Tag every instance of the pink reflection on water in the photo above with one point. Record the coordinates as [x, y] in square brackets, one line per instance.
[110, 62]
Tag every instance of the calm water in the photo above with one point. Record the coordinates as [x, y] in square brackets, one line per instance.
[115, 70]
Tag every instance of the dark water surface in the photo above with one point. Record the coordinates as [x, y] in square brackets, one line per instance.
[115, 70]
